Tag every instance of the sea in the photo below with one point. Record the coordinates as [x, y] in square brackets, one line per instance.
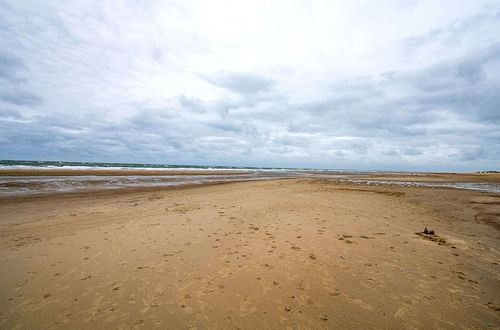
[59, 165]
[11, 185]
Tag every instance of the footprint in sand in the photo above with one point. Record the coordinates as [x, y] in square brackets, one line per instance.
[335, 293]
[404, 309]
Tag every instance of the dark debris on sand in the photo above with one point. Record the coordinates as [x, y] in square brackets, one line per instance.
[431, 236]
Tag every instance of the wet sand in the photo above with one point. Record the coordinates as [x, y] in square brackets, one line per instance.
[59, 172]
[298, 253]
[428, 177]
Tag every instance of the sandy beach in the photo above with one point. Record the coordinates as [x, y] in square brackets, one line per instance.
[298, 253]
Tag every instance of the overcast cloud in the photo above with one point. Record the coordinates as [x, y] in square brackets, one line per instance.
[412, 85]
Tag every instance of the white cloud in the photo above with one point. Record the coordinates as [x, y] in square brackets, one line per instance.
[406, 84]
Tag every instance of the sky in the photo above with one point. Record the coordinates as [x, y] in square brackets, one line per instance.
[382, 85]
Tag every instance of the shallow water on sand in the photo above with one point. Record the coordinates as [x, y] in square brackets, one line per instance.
[40, 184]
[480, 186]
[29, 185]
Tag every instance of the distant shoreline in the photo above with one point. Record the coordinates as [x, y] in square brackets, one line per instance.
[136, 171]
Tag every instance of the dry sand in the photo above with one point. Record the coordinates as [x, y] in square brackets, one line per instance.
[296, 253]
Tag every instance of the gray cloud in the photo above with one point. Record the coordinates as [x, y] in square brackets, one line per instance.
[245, 83]
[10, 67]
[10, 113]
[455, 32]
[20, 96]
[13, 89]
